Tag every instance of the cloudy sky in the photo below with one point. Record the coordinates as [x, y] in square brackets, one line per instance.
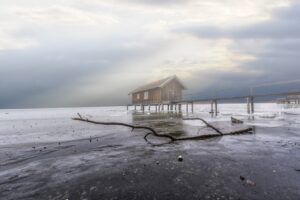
[56, 53]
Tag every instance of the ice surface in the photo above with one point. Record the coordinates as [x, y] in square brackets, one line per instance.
[19, 126]
[50, 125]
[44, 148]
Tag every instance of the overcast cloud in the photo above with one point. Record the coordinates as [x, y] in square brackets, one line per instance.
[92, 53]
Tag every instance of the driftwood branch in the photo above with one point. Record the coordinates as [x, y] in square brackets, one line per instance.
[80, 118]
[206, 123]
[171, 138]
[246, 130]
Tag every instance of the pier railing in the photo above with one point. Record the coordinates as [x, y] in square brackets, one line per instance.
[250, 99]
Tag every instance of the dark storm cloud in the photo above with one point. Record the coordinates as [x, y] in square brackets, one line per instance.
[275, 44]
[283, 25]
[279, 60]
[280, 29]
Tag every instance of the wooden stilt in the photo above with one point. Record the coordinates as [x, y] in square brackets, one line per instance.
[216, 107]
[248, 105]
[192, 107]
[252, 105]
[212, 108]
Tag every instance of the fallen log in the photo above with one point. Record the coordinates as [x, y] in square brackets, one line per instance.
[170, 137]
[206, 123]
[124, 124]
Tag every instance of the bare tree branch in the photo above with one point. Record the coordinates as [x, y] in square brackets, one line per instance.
[172, 139]
[80, 118]
[206, 123]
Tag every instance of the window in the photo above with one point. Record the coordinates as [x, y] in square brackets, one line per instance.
[146, 95]
[137, 96]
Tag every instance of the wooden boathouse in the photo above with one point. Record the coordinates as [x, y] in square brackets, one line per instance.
[160, 92]
[168, 92]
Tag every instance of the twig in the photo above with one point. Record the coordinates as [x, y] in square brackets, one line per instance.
[206, 123]
[246, 130]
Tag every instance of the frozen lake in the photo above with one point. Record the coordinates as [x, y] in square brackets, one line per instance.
[47, 155]
[55, 124]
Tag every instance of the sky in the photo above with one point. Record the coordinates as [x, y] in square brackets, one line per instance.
[57, 53]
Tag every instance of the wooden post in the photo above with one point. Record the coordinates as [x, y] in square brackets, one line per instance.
[187, 107]
[162, 107]
[192, 107]
[134, 107]
[216, 107]
[179, 107]
[127, 107]
[168, 107]
[175, 106]
[252, 105]
[212, 108]
[248, 105]
[149, 107]
[172, 107]
[155, 108]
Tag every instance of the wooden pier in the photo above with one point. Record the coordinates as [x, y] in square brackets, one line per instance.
[176, 105]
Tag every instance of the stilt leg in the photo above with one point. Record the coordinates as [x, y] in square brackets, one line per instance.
[216, 107]
[192, 107]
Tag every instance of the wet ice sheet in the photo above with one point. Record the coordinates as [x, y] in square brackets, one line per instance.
[64, 158]
[53, 125]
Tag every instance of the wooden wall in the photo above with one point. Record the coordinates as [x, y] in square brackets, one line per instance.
[171, 91]
[154, 96]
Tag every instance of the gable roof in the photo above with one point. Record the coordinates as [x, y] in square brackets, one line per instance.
[157, 84]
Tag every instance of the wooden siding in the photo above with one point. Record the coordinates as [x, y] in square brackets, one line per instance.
[154, 96]
[170, 92]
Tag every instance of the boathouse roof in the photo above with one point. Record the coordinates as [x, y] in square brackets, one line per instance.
[158, 84]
